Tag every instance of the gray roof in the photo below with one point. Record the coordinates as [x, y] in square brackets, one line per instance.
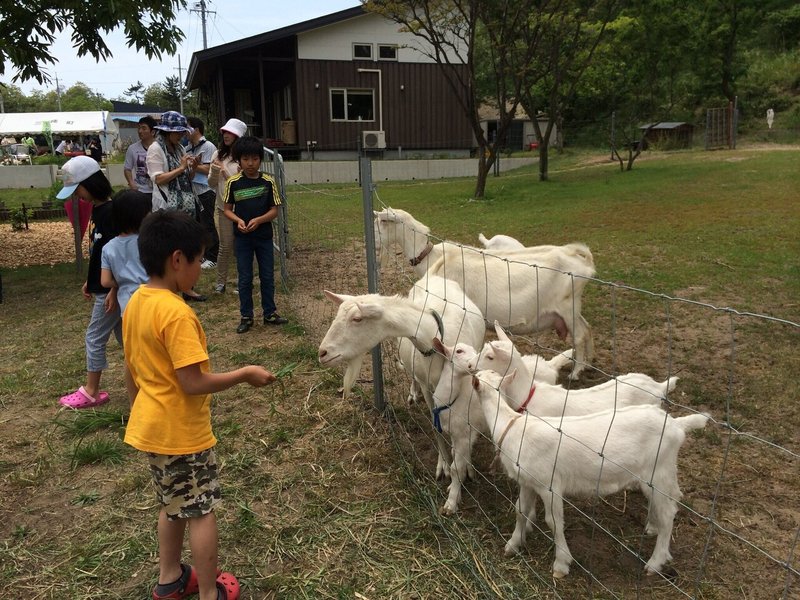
[664, 125]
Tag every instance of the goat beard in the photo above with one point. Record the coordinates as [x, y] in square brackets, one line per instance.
[351, 374]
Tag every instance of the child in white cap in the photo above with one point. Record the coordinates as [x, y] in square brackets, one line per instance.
[82, 176]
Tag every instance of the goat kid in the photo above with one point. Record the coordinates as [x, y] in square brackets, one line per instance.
[456, 415]
[526, 389]
[597, 454]
[501, 354]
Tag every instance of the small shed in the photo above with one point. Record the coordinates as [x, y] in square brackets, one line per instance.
[669, 134]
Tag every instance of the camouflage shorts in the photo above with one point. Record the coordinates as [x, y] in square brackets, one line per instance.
[187, 484]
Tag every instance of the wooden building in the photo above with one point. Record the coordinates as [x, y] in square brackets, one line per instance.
[326, 87]
[668, 135]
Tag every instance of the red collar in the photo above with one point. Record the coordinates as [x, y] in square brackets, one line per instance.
[425, 251]
[522, 408]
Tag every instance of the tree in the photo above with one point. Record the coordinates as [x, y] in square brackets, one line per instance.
[568, 39]
[79, 97]
[136, 91]
[27, 29]
[168, 94]
[451, 29]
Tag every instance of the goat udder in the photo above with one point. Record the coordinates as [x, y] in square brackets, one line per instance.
[554, 321]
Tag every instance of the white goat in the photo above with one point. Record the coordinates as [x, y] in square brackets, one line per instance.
[433, 307]
[601, 453]
[457, 414]
[527, 290]
[530, 389]
[500, 242]
[501, 354]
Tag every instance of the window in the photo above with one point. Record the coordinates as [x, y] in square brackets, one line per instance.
[352, 105]
[362, 51]
[387, 52]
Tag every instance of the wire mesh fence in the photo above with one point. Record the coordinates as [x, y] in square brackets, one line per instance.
[737, 526]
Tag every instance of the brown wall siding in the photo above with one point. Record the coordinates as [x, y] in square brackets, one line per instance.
[425, 114]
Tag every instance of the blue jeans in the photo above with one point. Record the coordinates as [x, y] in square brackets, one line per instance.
[245, 247]
[101, 326]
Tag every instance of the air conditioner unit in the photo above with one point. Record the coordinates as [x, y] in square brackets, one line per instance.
[374, 140]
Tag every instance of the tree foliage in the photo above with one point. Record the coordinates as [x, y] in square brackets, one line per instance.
[476, 45]
[27, 29]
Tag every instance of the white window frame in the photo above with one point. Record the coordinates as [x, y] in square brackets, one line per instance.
[364, 45]
[393, 47]
[346, 91]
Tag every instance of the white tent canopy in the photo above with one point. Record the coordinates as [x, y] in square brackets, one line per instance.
[95, 122]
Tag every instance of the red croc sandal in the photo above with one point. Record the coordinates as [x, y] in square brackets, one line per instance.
[227, 586]
[183, 588]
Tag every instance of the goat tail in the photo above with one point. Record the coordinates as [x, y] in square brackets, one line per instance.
[559, 361]
[671, 383]
[482, 239]
[691, 422]
[582, 251]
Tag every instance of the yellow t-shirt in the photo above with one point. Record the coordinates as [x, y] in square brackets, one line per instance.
[161, 334]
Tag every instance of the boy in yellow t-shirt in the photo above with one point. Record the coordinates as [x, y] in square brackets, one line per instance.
[170, 420]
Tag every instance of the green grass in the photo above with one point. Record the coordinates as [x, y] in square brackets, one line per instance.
[323, 498]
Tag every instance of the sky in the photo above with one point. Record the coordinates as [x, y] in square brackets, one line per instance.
[226, 21]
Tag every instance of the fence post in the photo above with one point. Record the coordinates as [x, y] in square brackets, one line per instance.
[365, 166]
[283, 222]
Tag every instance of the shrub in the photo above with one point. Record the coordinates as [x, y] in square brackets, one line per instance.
[17, 219]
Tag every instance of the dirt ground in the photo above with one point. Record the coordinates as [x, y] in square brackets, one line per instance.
[43, 243]
[734, 533]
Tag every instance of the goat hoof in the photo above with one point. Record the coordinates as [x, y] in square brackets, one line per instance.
[447, 511]
[667, 572]
[560, 574]
[510, 550]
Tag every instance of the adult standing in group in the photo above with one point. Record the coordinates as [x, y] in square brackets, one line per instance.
[171, 169]
[203, 152]
[135, 166]
[223, 167]
[95, 149]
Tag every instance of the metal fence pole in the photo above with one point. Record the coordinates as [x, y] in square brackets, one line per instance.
[273, 162]
[365, 165]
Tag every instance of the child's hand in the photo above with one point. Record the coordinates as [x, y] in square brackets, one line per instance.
[252, 225]
[242, 226]
[85, 292]
[110, 302]
[258, 376]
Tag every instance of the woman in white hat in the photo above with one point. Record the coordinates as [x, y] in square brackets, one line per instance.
[172, 170]
[224, 167]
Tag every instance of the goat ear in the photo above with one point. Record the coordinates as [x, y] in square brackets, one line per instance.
[369, 310]
[476, 383]
[441, 348]
[336, 298]
[508, 379]
[501, 334]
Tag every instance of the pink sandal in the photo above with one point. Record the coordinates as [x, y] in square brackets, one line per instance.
[81, 399]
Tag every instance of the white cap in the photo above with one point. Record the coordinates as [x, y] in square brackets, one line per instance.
[74, 172]
[235, 126]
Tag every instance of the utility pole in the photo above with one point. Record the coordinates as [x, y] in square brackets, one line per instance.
[58, 93]
[180, 84]
[200, 7]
